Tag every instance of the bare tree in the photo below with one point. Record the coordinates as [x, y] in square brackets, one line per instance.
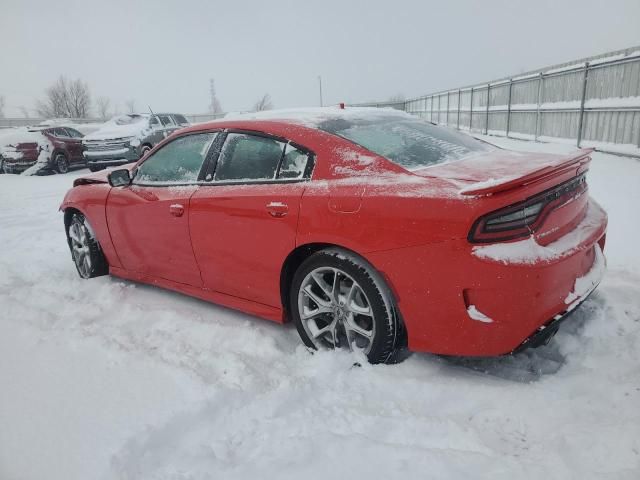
[25, 111]
[130, 105]
[263, 104]
[214, 104]
[2, 104]
[103, 105]
[66, 98]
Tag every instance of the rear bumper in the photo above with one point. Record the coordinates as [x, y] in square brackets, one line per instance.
[436, 285]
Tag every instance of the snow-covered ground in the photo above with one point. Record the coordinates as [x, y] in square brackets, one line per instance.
[106, 379]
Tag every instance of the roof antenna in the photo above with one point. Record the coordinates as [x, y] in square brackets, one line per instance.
[154, 115]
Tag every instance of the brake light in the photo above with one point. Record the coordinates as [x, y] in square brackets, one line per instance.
[524, 218]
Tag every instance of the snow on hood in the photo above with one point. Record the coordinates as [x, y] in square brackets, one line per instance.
[21, 135]
[120, 127]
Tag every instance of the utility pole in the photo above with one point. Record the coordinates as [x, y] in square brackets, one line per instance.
[320, 85]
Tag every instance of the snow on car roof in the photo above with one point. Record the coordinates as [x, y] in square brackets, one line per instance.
[313, 117]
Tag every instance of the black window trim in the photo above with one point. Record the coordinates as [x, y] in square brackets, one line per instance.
[205, 162]
[209, 178]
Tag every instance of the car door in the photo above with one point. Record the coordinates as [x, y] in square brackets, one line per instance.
[244, 217]
[74, 145]
[149, 219]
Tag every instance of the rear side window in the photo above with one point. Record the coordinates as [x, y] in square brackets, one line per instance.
[249, 157]
[411, 143]
[178, 162]
[294, 163]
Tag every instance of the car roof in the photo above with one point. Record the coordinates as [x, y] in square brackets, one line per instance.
[309, 118]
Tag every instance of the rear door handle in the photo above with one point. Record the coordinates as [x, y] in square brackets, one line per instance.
[176, 210]
[277, 209]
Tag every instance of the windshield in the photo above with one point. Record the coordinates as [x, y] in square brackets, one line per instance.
[411, 143]
[128, 119]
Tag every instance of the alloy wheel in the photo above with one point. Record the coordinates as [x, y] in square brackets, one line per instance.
[335, 311]
[80, 248]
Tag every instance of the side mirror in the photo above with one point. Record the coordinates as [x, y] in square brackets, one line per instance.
[119, 178]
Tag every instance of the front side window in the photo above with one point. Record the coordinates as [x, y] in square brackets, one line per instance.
[249, 157]
[166, 120]
[60, 132]
[74, 133]
[178, 162]
[181, 119]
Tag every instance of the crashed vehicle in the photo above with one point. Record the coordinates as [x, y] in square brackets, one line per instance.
[127, 138]
[368, 229]
[41, 150]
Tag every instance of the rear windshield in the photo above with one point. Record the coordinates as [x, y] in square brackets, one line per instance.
[411, 143]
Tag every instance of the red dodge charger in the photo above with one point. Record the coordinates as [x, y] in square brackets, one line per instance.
[369, 229]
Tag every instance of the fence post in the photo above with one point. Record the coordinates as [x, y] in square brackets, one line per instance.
[448, 108]
[582, 100]
[540, 93]
[431, 119]
[471, 111]
[509, 107]
[458, 120]
[486, 118]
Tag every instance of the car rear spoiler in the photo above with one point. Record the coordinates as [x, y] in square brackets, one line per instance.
[577, 161]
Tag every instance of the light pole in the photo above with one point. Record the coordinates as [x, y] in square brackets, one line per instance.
[320, 85]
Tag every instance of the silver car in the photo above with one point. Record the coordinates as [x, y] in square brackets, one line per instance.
[126, 138]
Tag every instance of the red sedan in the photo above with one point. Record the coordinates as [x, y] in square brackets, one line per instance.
[56, 149]
[369, 229]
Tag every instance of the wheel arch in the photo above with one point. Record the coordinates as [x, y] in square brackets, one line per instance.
[298, 255]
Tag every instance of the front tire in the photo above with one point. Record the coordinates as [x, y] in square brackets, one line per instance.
[61, 164]
[96, 168]
[339, 301]
[85, 250]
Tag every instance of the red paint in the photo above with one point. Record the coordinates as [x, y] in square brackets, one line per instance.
[228, 243]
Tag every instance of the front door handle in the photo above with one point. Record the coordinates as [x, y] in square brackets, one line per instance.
[176, 210]
[277, 209]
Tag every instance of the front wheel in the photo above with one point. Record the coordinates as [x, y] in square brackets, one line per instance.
[339, 301]
[61, 163]
[85, 250]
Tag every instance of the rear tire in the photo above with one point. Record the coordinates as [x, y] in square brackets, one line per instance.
[85, 250]
[338, 300]
[60, 163]
[95, 168]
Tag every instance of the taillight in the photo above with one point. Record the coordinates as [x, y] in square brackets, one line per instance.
[524, 218]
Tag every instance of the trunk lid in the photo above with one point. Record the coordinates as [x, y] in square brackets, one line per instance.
[501, 170]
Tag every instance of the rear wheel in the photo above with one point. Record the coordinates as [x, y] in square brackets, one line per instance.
[61, 163]
[339, 301]
[95, 168]
[85, 250]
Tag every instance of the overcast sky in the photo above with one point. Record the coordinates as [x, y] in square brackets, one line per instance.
[162, 53]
